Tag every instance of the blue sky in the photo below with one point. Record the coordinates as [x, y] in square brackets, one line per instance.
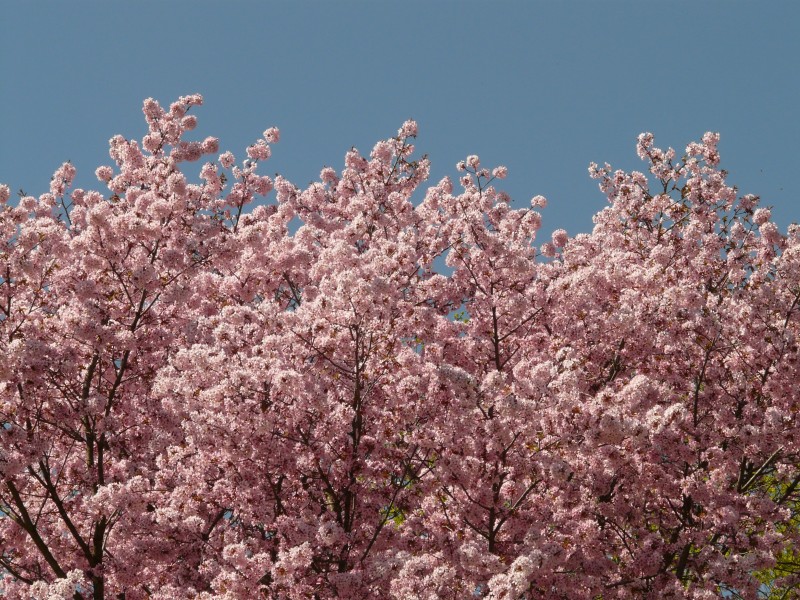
[541, 87]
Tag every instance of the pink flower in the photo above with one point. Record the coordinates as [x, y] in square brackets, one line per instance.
[104, 173]
[152, 142]
[190, 151]
[761, 216]
[328, 175]
[263, 185]
[769, 231]
[177, 109]
[473, 162]
[210, 145]
[560, 238]
[192, 100]
[152, 110]
[382, 152]
[189, 122]
[711, 139]
[538, 202]
[643, 144]
[272, 135]
[28, 203]
[62, 179]
[259, 151]
[5, 193]
[409, 129]
[500, 172]
[227, 159]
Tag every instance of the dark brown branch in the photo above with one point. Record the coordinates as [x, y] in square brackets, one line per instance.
[24, 521]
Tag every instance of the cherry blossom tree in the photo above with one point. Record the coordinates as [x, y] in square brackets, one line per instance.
[200, 401]
[672, 361]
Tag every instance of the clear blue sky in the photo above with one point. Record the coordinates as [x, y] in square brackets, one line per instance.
[542, 87]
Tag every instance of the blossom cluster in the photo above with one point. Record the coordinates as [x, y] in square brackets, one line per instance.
[197, 401]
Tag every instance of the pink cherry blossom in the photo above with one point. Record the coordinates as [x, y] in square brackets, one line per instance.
[272, 135]
[199, 402]
[227, 159]
[409, 129]
[560, 238]
[500, 172]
